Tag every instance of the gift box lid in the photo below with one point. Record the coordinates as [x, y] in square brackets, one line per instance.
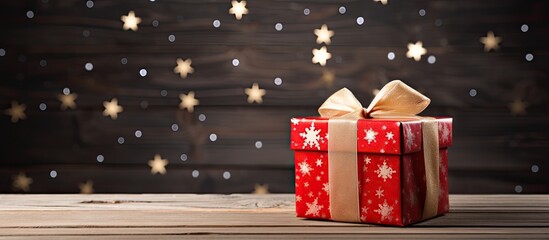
[373, 135]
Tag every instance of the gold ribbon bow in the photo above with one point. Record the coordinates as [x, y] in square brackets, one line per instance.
[395, 100]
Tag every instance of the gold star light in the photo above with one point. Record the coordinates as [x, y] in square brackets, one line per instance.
[255, 93]
[17, 111]
[321, 55]
[261, 189]
[86, 188]
[21, 182]
[112, 108]
[328, 77]
[158, 165]
[238, 9]
[130, 21]
[183, 67]
[67, 101]
[416, 50]
[518, 107]
[323, 35]
[491, 42]
[384, 2]
[188, 101]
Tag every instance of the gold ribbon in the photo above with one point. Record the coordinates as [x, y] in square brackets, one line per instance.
[395, 100]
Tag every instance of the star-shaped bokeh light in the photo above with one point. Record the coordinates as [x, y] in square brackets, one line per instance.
[238, 9]
[130, 21]
[67, 100]
[86, 188]
[384, 2]
[188, 101]
[21, 182]
[255, 94]
[518, 107]
[491, 42]
[323, 35]
[16, 112]
[261, 189]
[328, 77]
[158, 165]
[183, 67]
[416, 50]
[112, 108]
[321, 55]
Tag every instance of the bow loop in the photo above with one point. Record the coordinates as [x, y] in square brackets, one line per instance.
[394, 100]
[341, 103]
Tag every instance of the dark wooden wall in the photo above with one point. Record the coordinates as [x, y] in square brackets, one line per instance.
[494, 152]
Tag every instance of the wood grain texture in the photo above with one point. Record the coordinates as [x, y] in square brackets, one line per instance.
[494, 151]
[251, 216]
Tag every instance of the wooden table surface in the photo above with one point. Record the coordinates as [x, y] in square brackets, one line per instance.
[240, 216]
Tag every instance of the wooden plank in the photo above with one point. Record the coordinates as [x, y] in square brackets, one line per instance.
[71, 216]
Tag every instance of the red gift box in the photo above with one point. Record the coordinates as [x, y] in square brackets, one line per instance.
[391, 171]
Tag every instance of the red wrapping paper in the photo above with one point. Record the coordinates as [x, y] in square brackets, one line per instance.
[391, 170]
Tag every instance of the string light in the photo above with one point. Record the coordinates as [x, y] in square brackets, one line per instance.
[88, 67]
[342, 10]
[30, 14]
[279, 27]
[216, 23]
[391, 56]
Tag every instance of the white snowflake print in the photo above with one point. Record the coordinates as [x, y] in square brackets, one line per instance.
[384, 127]
[379, 193]
[385, 171]
[389, 135]
[304, 168]
[310, 194]
[384, 210]
[445, 133]
[364, 212]
[319, 162]
[295, 121]
[326, 188]
[313, 209]
[367, 160]
[370, 135]
[409, 136]
[298, 198]
[311, 136]
[318, 178]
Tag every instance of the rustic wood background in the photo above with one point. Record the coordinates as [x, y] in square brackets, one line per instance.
[494, 150]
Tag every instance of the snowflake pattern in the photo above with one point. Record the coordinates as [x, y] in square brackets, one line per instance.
[304, 168]
[326, 188]
[313, 208]
[385, 171]
[311, 136]
[384, 210]
[364, 213]
[319, 162]
[367, 160]
[389, 135]
[295, 121]
[379, 192]
[370, 135]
